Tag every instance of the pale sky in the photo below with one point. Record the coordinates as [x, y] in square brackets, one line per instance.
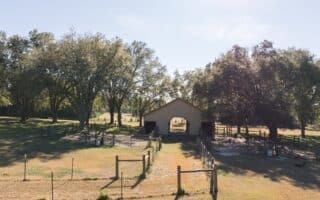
[184, 33]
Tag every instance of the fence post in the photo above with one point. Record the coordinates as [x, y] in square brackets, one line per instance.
[149, 159]
[211, 181]
[260, 133]
[143, 166]
[153, 153]
[117, 167]
[160, 143]
[25, 168]
[51, 185]
[179, 189]
[72, 168]
[121, 186]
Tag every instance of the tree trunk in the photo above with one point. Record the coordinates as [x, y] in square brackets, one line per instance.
[23, 110]
[82, 120]
[54, 118]
[54, 115]
[119, 116]
[140, 119]
[238, 129]
[303, 129]
[213, 130]
[247, 129]
[23, 118]
[273, 132]
[88, 119]
[111, 111]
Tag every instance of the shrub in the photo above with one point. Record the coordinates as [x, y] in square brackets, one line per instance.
[103, 196]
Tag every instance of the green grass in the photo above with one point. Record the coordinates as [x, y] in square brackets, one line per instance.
[47, 150]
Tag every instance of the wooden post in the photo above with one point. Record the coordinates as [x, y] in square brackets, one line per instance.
[215, 181]
[117, 167]
[72, 168]
[160, 143]
[25, 168]
[260, 133]
[149, 159]
[144, 165]
[121, 186]
[211, 181]
[179, 189]
[51, 185]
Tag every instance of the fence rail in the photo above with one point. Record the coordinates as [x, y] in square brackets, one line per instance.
[208, 165]
[262, 135]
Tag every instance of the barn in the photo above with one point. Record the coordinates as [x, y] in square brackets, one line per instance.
[161, 119]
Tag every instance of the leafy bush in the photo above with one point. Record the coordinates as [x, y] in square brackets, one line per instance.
[103, 196]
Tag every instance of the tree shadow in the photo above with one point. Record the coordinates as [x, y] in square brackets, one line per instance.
[187, 144]
[37, 138]
[113, 179]
[275, 169]
[138, 181]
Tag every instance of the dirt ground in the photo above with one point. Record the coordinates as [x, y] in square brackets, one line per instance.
[159, 184]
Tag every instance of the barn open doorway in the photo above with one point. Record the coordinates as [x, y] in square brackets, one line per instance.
[178, 125]
[149, 126]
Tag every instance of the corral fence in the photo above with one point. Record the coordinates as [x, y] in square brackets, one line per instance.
[208, 165]
[146, 160]
[90, 135]
[226, 131]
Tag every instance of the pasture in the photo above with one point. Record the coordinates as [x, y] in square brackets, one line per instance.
[244, 176]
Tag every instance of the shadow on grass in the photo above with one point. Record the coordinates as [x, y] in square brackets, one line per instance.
[272, 168]
[275, 169]
[114, 180]
[139, 180]
[36, 140]
[187, 144]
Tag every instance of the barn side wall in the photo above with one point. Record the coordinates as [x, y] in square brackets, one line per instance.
[176, 109]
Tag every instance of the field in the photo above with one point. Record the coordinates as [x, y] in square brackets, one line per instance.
[244, 176]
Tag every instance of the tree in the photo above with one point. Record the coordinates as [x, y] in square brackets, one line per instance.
[48, 61]
[150, 89]
[176, 85]
[117, 83]
[127, 65]
[305, 85]
[4, 100]
[87, 60]
[24, 83]
[272, 92]
[230, 89]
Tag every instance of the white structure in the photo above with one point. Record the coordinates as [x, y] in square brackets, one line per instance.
[160, 118]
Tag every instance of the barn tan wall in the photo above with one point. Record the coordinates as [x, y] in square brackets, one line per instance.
[176, 109]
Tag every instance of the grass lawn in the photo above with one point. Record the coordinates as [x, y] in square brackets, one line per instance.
[239, 177]
[53, 153]
[255, 178]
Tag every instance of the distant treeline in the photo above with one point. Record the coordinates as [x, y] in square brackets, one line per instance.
[80, 75]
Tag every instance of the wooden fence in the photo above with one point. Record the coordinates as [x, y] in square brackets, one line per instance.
[146, 159]
[208, 165]
[291, 140]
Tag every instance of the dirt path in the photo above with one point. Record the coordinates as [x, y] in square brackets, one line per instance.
[163, 177]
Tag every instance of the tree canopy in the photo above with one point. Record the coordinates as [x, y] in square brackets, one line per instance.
[259, 86]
